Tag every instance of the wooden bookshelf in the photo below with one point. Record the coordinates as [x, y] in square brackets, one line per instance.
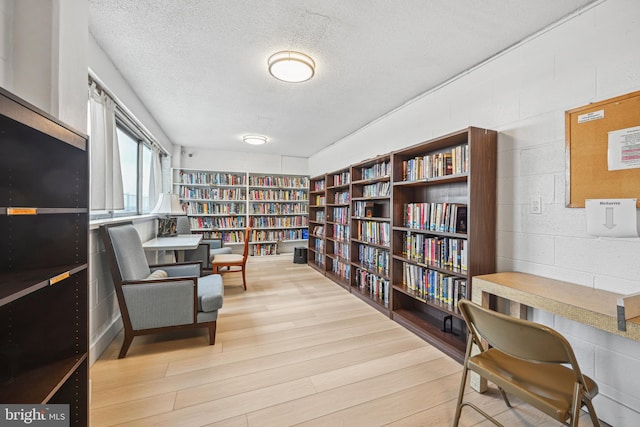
[371, 231]
[337, 233]
[317, 222]
[444, 216]
[44, 217]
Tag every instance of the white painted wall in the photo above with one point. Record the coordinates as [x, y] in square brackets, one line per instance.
[523, 94]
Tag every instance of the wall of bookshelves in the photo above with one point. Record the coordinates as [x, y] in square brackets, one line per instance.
[222, 204]
[317, 222]
[337, 230]
[422, 222]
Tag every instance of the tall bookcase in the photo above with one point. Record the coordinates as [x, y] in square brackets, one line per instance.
[222, 204]
[317, 222]
[337, 230]
[44, 224]
[278, 211]
[422, 224]
[371, 231]
[444, 225]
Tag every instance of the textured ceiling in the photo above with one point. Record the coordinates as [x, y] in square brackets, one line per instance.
[200, 66]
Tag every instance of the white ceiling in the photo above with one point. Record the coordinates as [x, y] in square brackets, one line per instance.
[200, 66]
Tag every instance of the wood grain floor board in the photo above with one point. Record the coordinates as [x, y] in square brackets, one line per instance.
[294, 349]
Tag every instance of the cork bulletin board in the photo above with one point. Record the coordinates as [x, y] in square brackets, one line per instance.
[603, 150]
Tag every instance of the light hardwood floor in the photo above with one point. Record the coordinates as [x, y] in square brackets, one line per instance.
[294, 349]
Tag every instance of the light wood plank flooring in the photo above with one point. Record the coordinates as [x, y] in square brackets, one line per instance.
[294, 349]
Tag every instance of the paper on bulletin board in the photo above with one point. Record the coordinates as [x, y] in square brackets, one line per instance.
[624, 149]
[612, 217]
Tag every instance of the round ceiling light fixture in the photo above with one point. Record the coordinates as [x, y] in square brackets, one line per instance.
[293, 67]
[255, 139]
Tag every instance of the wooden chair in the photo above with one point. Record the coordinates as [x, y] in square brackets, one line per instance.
[234, 262]
[527, 359]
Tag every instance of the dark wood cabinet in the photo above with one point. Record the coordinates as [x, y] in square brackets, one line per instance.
[44, 194]
[317, 222]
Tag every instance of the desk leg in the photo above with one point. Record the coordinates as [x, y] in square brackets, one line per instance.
[476, 382]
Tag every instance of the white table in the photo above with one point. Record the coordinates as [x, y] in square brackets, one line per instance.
[178, 243]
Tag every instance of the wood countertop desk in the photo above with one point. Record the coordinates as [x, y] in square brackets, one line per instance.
[593, 307]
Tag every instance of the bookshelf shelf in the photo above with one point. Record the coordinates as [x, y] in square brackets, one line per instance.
[44, 221]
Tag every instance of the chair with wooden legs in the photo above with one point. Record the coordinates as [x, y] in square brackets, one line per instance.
[529, 360]
[234, 262]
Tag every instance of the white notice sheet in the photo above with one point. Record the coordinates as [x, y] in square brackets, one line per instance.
[624, 149]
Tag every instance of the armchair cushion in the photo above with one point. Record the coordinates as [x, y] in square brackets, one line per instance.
[155, 305]
[210, 293]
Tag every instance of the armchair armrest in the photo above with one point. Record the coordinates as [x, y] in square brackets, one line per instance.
[181, 269]
[160, 303]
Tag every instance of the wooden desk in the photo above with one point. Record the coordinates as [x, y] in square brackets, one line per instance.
[582, 304]
[178, 243]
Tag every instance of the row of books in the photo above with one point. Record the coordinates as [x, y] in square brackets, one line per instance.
[232, 236]
[275, 235]
[341, 232]
[374, 259]
[379, 189]
[320, 200]
[211, 193]
[222, 222]
[433, 284]
[378, 233]
[341, 249]
[341, 269]
[378, 170]
[262, 249]
[444, 217]
[319, 185]
[341, 215]
[451, 162]
[212, 178]
[442, 252]
[321, 216]
[341, 198]
[278, 208]
[377, 286]
[342, 178]
[278, 195]
[280, 221]
[279, 181]
[319, 246]
[318, 231]
[210, 208]
[318, 258]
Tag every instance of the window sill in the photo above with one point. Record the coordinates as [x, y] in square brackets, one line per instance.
[96, 223]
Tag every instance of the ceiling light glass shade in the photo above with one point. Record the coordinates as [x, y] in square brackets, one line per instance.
[168, 204]
[255, 139]
[291, 66]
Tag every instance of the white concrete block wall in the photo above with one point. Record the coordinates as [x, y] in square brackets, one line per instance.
[523, 94]
[105, 321]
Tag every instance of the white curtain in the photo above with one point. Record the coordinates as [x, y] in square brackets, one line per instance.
[155, 181]
[106, 175]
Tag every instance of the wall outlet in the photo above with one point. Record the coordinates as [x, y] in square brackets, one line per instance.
[535, 204]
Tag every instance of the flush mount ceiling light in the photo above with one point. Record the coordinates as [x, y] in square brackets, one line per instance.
[293, 67]
[255, 139]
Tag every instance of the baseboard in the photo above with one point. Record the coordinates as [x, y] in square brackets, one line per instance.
[100, 343]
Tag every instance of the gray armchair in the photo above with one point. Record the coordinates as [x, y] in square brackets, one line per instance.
[206, 251]
[158, 298]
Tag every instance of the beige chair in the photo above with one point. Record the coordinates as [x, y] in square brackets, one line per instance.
[526, 359]
[234, 262]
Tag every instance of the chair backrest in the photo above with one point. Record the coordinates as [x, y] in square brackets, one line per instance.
[183, 226]
[245, 251]
[124, 246]
[518, 337]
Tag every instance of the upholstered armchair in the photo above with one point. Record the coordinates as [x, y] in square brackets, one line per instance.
[158, 298]
[206, 251]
